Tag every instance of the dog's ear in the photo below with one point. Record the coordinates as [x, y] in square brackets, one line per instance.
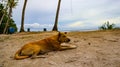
[59, 33]
[65, 32]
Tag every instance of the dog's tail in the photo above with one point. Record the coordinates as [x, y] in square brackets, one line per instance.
[18, 57]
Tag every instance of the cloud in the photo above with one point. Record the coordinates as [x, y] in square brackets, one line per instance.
[89, 24]
[42, 5]
[34, 25]
[90, 10]
[75, 24]
[115, 21]
[37, 25]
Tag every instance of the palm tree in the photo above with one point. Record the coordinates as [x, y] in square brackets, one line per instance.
[4, 13]
[11, 5]
[2, 18]
[23, 16]
[55, 28]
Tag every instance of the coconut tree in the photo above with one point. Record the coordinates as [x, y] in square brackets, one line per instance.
[55, 28]
[3, 10]
[23, 16]
[11, 4]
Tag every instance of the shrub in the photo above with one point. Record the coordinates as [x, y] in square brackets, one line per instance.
[107, 26]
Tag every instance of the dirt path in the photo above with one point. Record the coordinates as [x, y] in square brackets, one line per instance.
[94, 49]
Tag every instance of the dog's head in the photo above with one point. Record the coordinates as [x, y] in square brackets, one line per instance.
[63, 38]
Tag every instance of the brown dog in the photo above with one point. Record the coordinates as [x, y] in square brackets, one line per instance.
[49, 44]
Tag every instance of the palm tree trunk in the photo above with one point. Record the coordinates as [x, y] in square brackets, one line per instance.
[23, 16]
[2, 18]
[7, 23]
[55, 28]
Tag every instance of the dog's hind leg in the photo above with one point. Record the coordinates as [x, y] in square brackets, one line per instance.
[36, 55]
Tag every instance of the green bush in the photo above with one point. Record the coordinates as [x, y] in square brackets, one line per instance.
[107, 26]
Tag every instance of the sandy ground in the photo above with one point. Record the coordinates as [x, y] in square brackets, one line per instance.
[94, 49]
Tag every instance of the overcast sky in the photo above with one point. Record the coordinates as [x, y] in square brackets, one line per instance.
[74, 14]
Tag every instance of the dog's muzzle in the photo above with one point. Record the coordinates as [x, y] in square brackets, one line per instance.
[68, 40]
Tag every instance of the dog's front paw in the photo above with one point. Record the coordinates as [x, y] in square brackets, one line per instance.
[72, 46]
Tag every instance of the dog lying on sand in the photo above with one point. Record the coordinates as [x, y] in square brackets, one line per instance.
[53, 43]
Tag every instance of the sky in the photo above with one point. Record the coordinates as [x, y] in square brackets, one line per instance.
[74, 14]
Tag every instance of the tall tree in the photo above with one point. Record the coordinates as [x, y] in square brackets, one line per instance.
[5, 18]
[3, 10]
[55, 28]
[11, 5]
[23, 16]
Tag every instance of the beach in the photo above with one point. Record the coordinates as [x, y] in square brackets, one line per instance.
[94, 49]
